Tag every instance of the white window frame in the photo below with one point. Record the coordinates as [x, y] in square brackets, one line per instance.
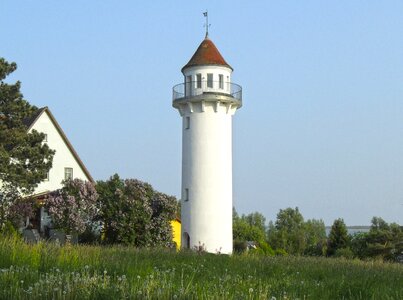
[66, 172]
[198, 80]
[210, 80]
[187, 122]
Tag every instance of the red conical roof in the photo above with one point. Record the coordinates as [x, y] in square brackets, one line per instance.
[207, 54]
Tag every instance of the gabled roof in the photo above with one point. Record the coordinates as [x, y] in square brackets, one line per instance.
[29, 122]
[207, 54]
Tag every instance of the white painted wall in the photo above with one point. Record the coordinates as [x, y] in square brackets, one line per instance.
[204, 70]
[62, 158]
[207, 174]
[207, 160]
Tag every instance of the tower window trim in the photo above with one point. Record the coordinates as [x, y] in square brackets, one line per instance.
[187, 122]
[210, 80]
[221, 81]
[199, 80]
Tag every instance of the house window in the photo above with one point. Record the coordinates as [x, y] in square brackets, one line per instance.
[198, 81]
[221, 81]
[47, 176]
[68, 173]
[45, 139]
[210, 80]
[187, 124]
[186, 194]
[227, 83]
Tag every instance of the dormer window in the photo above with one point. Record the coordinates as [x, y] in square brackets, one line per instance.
[209, 80]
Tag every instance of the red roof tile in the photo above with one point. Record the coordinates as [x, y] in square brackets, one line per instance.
[206, 54]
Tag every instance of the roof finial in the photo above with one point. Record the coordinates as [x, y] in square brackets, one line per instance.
[207, 25]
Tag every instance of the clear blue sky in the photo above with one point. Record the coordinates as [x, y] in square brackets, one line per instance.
[322, 123]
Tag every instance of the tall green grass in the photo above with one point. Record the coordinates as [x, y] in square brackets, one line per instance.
[48, 271]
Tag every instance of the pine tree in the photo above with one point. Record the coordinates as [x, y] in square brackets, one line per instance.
[338, 237]
[24, 159]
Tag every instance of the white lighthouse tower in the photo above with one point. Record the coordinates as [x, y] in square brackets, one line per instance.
[206, 101]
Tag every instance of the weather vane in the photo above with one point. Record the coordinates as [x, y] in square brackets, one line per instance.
[207, 25]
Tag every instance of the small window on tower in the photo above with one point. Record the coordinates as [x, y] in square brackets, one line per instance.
[221, 81]
[198, 81]
[188, 85]
[187, 123]
[210, 80]
[186, 195]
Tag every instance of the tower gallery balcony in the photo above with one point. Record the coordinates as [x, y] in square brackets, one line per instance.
[196, 88]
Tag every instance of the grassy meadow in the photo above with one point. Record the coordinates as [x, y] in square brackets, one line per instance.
[48, 271]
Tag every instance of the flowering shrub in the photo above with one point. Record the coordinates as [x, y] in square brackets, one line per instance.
[73, 207]
[133, 213]
[20, 210]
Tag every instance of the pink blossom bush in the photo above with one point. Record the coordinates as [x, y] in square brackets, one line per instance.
[73, 207]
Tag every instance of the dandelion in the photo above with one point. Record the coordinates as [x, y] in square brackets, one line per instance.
[138, 277]
[250, 290]
[105, 272]
[86, 267]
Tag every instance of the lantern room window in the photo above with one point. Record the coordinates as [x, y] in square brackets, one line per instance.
[221, 81]
[210, 80]
[198, 81]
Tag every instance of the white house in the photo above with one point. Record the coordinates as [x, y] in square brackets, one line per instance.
[66, 162]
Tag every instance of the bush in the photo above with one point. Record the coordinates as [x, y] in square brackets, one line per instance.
[344, 252]
[9, 230]
[280, 252]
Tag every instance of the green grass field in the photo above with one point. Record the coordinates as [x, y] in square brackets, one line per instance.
[46, 271]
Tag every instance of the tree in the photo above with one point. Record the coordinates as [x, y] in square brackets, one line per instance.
[315, 235]
[288, 231]
[24, 159]
[251, 227]
[384, 240]
[73, 207]
[338, 237]
[133, 213]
